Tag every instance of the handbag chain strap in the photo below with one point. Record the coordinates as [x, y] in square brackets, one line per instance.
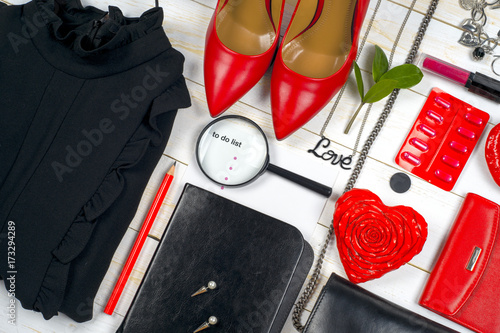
[313, 281]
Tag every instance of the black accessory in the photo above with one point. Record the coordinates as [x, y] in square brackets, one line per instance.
[261, 262]
[344, 307]
[400, 182]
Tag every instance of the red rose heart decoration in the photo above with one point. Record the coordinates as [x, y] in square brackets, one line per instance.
[374, 239]
[492, 153]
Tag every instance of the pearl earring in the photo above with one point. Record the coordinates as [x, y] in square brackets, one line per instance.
[210, 286]
[211, 321]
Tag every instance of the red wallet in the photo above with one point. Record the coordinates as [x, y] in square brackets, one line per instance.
[465, 283]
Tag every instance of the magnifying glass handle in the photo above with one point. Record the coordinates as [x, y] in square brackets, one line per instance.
[308, 183]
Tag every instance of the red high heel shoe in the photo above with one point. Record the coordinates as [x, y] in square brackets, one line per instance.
[314, 60]
[241, 42]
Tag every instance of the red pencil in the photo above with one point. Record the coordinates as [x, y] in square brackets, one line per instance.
[139, 242]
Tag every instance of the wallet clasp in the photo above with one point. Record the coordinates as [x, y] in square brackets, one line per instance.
[473, 259]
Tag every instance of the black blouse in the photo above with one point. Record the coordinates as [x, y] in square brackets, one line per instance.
[87, 102]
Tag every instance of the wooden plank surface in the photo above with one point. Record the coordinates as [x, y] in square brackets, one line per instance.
[185, 24]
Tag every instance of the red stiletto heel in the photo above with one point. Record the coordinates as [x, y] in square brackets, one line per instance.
[314, 60]
[241, 41]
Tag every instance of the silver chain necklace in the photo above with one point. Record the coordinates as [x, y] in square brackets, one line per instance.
[311, 285]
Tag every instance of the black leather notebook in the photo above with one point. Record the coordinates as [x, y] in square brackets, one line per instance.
[258, 263]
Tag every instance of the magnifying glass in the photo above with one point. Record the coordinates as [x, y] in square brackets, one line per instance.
[233, 150]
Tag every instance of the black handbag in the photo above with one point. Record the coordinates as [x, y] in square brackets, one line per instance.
[346, 307]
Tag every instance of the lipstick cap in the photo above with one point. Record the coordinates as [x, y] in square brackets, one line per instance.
[485, 86]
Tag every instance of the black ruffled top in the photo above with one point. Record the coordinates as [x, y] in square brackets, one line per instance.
[88, 42]
[87, 101]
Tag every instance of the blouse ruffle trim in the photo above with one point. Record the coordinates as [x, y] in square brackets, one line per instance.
[53, 286]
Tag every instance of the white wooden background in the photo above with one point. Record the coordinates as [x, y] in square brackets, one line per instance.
[185, 24]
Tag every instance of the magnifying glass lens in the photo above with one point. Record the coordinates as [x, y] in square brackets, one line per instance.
[232, 151]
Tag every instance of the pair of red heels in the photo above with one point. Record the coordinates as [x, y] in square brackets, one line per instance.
[312, 63]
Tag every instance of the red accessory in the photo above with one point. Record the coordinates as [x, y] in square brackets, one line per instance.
[442, 139]
[492, 153]
[463, 286]
[314, 60]
[374, 239]
[139, 242]
[476, 83]
[241, 42]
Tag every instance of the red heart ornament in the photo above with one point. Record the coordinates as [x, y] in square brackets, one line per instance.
[374, 239]
[492, 153]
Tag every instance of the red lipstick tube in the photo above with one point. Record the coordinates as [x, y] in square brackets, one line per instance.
[476, 83]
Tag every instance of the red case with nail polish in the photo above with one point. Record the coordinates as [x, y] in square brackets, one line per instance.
[442, 139]
[464, 283]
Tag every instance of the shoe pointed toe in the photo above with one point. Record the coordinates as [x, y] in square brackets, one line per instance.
[290, 107]
[229, 75]
[296, 99]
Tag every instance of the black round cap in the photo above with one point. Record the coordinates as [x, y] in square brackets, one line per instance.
[400, 182]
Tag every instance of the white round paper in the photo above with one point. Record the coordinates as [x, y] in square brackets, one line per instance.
[232, 151]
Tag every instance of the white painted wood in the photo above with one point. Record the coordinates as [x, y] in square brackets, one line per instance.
[185, 24]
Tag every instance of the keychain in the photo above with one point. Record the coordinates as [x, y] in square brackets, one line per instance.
[474, 34]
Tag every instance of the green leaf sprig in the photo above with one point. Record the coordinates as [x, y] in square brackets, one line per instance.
[400, 77]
